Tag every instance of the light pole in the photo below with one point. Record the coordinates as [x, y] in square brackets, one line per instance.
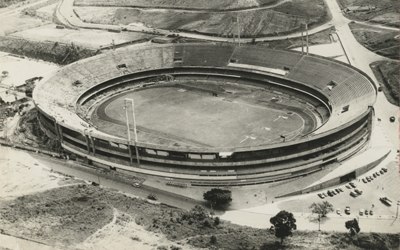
[134, 126]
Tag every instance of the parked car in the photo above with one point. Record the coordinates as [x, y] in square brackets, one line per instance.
[321, 196]
[337, 190]
[381, 171]
[353, 194]
[136, 184]
[366, 212]
[392, 119]
[347, 210]
[330, 193]
[377, 173]
[348, 186]
[386, 201]
[364, 180]
[338, 211]
[352, 184]
[371, 212]
[340, 189]
[369, 179]
[359, 192]
[374, 175]
[384, 170]
[361, 212]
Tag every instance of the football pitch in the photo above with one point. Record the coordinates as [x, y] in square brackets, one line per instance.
[178, 116]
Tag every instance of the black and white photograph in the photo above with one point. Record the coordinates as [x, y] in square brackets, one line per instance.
[199, 124]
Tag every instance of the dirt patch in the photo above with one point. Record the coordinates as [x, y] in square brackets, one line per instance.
[388, 76]
[179, 4]
[380, 41]
[383, 11]
[6, 3]
[280, 20]
[48, 51]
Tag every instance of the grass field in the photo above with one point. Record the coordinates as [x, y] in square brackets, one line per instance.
[388, 75]
[181, 116]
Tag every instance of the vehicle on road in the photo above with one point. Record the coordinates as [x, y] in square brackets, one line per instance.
[352, 184]
[366, 212]
[340, 189]
[384, 170]
[330, 193]
[338, 211]
[353, 194]
[347, 210]
[136, 185]
[348, 186]
[374, 175]
[386, 201]
[321, 196]
[377, 173]
[364, 180]
[361, 212]
[371, 212]
[392, 119]
[381, 171]
[359, 192]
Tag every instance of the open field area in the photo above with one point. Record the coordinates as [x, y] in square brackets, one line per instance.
[189, 115]
[388, 75]
[285, 18]
[386, 11]
[383, 42]
[6, 3]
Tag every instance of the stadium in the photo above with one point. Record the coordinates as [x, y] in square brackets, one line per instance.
[213, 114]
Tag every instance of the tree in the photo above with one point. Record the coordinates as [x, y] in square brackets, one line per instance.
[353, 226]
[218, 197]
[284, 223]
[321, 209]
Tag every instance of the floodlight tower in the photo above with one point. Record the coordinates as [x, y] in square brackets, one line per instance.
[131, 101]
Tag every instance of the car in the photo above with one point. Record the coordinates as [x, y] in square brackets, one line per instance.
[371, 212]
[338, 211]
[392, 119]
[380, 88]
[347, 210]
[369, 179]
[348, 186]
[340, 189]
[361, 212]
[386, 201]
[353, 194]
[384, 170]
[352, 184]
[377, 173]
[374, 175]
[333, 192]
[359, 192]
[366, 212]
[364, 180]
[337, 190]
[381, 171]
[321, 196]
[330, 193]
[325, 195]
[136, 184]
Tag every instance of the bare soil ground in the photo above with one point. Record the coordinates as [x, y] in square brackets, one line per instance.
[383, 42]
[6, 3]
[387, 11]
[180, 4]
[388, 75]
[283, 19]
